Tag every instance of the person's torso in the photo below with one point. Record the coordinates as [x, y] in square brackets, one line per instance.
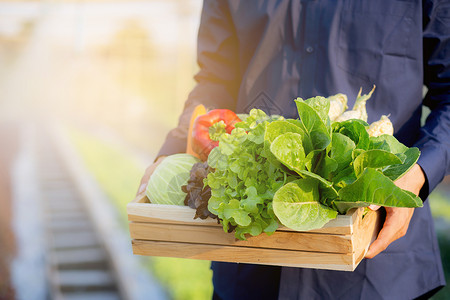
[290, 49]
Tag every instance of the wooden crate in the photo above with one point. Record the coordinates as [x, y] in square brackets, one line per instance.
[171, 231]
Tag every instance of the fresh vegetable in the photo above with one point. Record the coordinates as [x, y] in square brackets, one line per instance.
[297, 206]
[372, 187]
[338, 104]
[164, 186]
[359, 108]
[197, 193]
[302, 172]
[383, 126]
[244, 180]
[208, 127]
[198, 111]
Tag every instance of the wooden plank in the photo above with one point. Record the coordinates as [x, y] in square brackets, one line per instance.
[317, 260]
[215, 235]
[146, 212]
[140, 198]
[173, 214]
[344, 230]
[366, 231]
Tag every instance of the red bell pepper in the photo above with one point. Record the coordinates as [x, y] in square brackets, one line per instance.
[208, 128]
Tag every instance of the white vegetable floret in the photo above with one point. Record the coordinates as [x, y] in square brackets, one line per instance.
[383, 126]
[359, 109]
[349, 114]
[338, 104]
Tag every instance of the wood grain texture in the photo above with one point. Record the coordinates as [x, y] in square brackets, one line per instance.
[139, 210]
[215, 235]
[366, 231]
[140, 198]
[317, 260]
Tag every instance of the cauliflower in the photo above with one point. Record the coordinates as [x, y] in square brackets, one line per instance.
[338, 104]
[349, 114]
[383, 126]
[359, 109]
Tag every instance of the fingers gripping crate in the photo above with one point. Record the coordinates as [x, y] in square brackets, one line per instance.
[171, 231]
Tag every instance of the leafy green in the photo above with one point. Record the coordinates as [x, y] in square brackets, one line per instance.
[409, 156]
[164, 186]
[388, 143]
[313, 125]
[355, 129]
[318, 162]
[322, 106]
[396, 171]
[302, 172]
[244, 181]
[297, 205]
[276, 128]
[372, 187]
[374, 159]
[341, 150]
[288, 149]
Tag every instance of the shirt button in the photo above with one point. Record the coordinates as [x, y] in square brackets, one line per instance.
[309, 49]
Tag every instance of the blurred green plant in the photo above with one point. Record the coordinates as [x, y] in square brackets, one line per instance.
[440, 208]
[186, 279]
[118, 175]
[440, 205]
[444, 246]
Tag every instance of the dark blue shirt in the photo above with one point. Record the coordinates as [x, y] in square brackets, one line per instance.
[266, 53]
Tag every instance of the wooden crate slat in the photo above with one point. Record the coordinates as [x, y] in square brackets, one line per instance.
[164, 214]
[141, 198]
[317, 260]
[366, 231]
[174, 214]
[215, 235]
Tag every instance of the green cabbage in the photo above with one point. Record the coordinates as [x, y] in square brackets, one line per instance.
[164, 186]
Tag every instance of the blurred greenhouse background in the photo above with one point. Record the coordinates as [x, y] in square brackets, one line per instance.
[113, 77]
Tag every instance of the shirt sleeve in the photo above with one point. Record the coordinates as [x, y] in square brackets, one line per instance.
[217, 82]
[434, 141]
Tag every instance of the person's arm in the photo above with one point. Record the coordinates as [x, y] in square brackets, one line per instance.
[434, 141]
[218, 79]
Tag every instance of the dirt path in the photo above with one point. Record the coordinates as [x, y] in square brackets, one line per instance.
[9, 144]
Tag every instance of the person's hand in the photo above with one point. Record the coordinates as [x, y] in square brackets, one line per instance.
[148, 172]
[397, 218]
